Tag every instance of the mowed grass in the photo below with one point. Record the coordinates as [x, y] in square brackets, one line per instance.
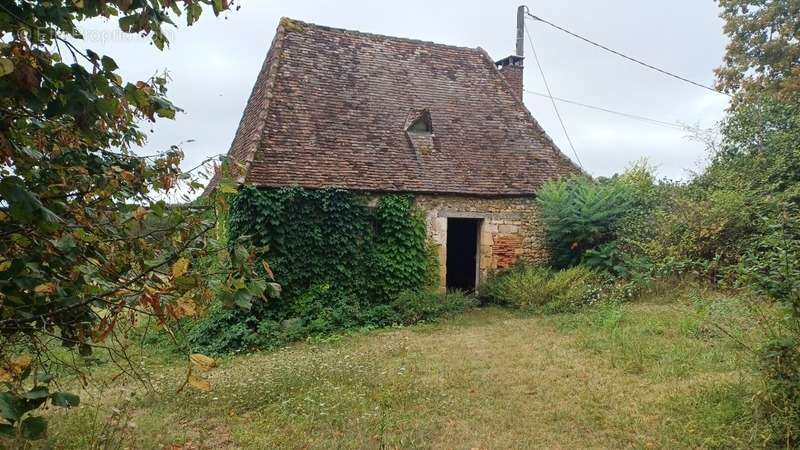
[656, 374]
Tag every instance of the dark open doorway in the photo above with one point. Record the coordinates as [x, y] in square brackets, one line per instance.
[462, 253]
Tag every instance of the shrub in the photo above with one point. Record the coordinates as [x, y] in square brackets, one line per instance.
[412, 307]
[578, 215]
[380, 316]
[581, 215]
[772, 264]
[516, 287]
[541, 289]
[572, 289]
[771, 268]
[223, 330]
[320, 311]
[780, 405]
[715, 227]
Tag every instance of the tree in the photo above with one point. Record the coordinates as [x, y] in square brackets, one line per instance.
[89, 243]
[758, 160]
[764, 50]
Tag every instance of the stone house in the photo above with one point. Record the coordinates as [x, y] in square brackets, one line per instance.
[379, 114]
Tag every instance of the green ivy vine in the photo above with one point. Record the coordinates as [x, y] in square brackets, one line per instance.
[330, 251]
[401, 254]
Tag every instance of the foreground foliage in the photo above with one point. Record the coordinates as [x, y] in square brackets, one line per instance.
[760, 155]
[91, 239]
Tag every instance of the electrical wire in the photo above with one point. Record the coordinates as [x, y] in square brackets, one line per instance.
[552, 100]
[629, 58]
[663, 123]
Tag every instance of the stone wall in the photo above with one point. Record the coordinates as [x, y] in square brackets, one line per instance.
[510, 230]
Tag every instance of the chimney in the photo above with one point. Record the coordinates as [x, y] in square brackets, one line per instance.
[511, 67]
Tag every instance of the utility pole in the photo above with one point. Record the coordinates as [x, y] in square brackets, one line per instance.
[521, 30]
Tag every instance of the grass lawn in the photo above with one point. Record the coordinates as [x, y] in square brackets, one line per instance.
[654, 374]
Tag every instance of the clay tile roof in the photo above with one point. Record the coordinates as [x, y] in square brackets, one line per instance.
[331, 107]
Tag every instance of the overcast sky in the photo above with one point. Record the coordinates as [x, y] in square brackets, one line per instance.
[214, 64]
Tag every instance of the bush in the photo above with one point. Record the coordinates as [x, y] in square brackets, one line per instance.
[582, 216]
[780, 403]
[571, 289]
[541, 289]
[412, 307]
[320, 311]
[579, 215]
[508, 287]
[771, 266]
[714, 228]
[222, 330]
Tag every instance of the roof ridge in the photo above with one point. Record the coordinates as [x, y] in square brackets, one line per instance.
[291, 24]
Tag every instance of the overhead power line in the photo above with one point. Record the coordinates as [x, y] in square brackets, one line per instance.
[552, 100]
[650, 120]
[629, 58]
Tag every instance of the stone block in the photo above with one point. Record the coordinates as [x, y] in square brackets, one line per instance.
[508, 228]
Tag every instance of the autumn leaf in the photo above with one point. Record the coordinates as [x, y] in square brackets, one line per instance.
[183, 307]
[267, 269]
[15, 367]
[45, 288]
[203, 362]
[151, 297]
[180, 267]
[167, 182]
[104, 329]
[140, 213]
[201, 384]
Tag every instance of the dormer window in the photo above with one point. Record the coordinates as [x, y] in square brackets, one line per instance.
[419, 121]
[419, 129]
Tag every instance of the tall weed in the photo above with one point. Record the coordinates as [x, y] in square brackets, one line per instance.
[539, 288]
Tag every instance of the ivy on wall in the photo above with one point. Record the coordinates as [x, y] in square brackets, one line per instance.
[402, 257]
[330, 251]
